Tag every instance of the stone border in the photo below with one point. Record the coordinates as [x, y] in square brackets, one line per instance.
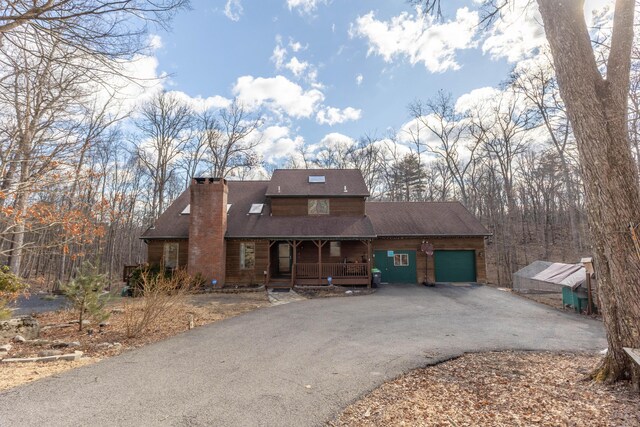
[236, 290]
[331, 291]
[76, 355]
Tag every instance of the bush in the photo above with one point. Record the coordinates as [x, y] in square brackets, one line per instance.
[135, 285]
[11, 287]
[85, 292]
[160, 292]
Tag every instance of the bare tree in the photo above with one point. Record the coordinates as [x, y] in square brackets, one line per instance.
[539, 87]
[366, 156]
[39, 95]
[165, 126]
[110, 28]
[597, 109]
[302, 158]
[596, 100]
[454, 144]
[231, 137]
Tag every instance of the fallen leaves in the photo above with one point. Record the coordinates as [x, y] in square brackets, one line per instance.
[96, 341]
[498, 389]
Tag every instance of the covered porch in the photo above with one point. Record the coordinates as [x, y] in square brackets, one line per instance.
[312, 262]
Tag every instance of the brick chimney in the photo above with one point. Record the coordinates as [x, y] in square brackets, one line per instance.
[207, 228]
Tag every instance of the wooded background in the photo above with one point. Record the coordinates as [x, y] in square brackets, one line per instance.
[82, 175]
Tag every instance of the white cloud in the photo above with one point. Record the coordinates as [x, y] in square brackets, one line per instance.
[475, 98]
[517, 34]
[139, 81]
[279, 53]
[304, 6]
[278, 93]
[331, 115]
[359, 79]
[333, 141]
[200, 104]
[233, 10]
[155, 41]
[296, 66]
[299, 68]
[277, 143]
[419, 38]
[296, 46]
[312, 77]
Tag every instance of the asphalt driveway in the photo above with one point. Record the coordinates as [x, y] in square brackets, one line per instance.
[38, 304]
[295, 364]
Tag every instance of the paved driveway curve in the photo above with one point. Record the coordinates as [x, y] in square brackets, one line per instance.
[295, 364]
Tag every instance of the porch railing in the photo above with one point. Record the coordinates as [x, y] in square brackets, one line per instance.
[308, 270]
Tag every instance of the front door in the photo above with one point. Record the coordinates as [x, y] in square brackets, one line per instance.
[396, 266]
[284, 258]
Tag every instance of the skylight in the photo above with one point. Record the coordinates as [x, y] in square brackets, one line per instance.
[256, 208]
[316, 179]
[187, 210]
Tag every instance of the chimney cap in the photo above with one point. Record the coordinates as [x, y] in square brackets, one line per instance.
[211, 180]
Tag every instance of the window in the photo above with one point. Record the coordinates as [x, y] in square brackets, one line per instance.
[247, 256]
[334, 249]
[316, 179]
[170, 255]
[400, 260]
[318, 206]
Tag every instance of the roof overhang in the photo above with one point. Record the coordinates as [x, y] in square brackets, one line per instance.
[163, 238]
[318, 196]
[409, 236]
[275, 237]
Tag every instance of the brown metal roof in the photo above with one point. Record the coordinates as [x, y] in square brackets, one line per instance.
[423, 219]
[170, 224]
[383, 219]
[295, 183]
[241, 224]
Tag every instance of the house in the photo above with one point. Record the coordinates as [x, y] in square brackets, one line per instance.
[305, 226]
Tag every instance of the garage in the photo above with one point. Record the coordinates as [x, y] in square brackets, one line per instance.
[455, 266]
[396, 266]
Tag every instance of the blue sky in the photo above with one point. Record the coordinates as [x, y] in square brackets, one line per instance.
[337, 67]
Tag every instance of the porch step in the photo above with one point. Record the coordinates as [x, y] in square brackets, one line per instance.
[279, 285]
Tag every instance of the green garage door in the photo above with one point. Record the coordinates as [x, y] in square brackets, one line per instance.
[455, 266]
[396, 266]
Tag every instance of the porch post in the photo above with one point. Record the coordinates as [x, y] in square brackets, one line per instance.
[320, 262]
[268, 275]
[294, 267]
[369, 266]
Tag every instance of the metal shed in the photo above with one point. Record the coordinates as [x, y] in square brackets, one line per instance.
[543, 277]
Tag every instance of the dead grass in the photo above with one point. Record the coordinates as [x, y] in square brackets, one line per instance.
[13, 375]
[202, 309]
[498, 389]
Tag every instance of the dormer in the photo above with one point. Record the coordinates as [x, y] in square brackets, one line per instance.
[317, 192]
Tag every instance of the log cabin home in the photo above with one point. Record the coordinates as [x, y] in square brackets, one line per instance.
[310, 227]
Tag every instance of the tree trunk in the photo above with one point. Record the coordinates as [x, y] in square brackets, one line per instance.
[597, 110]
